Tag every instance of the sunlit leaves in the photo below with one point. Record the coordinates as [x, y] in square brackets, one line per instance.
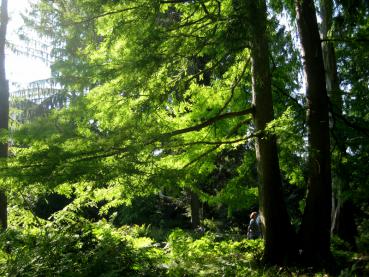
[292, 152]
[146, 69]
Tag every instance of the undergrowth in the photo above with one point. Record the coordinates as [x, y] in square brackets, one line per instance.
[72, 246]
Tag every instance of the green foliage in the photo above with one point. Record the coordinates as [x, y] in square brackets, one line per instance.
[341, 250]
[211, 256]
[155, 210]
[363, 239]
[154, 79]
[291, 146]
[73, 247]
[350, 263]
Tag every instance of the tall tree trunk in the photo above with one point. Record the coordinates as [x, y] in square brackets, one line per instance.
[316, 222]
[342, 220]
[329, 57]
[332, 83]
[4, 105]
[277, 230]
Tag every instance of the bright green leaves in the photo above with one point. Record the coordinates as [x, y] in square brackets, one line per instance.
[165, 86]
[291, 143]
[207, 256]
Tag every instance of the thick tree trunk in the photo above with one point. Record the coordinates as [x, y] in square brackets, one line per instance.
[4, 105]
[277, 230]
[342, 221]
[329, 57]
[316, 222]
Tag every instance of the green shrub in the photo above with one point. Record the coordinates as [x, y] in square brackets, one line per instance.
[363, 239]
[208, 256]
[80, 248]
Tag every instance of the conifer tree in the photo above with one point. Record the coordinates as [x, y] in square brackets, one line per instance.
[316, 222]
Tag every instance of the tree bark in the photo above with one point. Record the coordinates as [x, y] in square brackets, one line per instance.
[316, 221]
[342, 217]
[276, 227]
[329, 57]
[4, 105]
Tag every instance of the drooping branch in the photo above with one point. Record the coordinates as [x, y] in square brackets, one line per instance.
[105, 153]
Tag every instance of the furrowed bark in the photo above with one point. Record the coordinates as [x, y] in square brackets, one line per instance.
[277, 230]
[316, 222]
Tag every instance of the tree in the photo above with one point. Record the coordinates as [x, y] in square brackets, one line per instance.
[342, 208]
[4, 107]
[277, 230]
[348, 34]
[37, 99]
[149, 99]
[316, 222]
[149, 116]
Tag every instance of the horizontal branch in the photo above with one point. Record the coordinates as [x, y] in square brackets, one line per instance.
[218, 142]
[205, 123]
[189, 23]
[107, 14]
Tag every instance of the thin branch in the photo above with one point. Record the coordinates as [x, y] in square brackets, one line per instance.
[212, 18]
[217, 142]
[205, 123]
[238, 126]
[294, 100]
[213, 66]
[30, 208]
[106, 14]
[361, 129]
[202, 155]
[234, 85]
[218, 145]
[189, 23]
